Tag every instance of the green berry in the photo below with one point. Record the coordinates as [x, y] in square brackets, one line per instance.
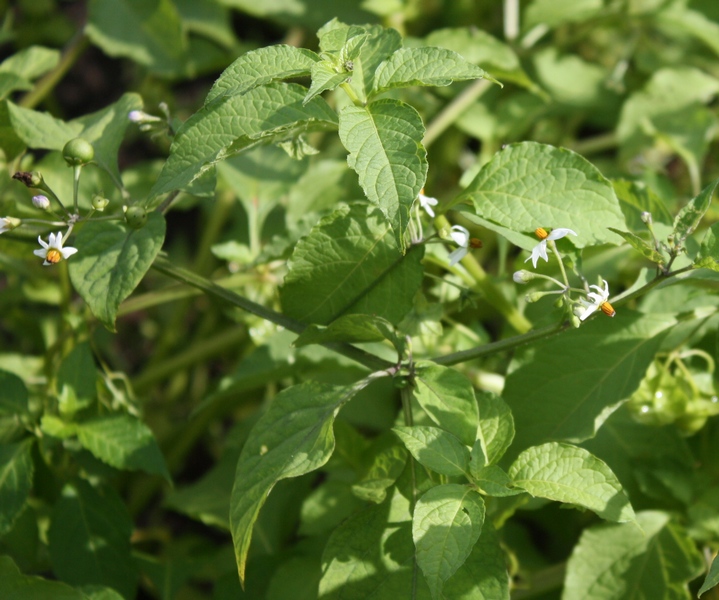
[78, 152]
[136, 217]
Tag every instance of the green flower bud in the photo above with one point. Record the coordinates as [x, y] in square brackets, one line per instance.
[78, 152]
[136, 217]
[523, 276]
[99, 203]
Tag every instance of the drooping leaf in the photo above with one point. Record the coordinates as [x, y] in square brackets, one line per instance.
[572, 475]
[32, 62]
[111, 261]
[260, 67]
[691, 215]
[613, 562]
[435, 449]
[350, 264]
[272, 112]
[448, 398]
[575, 381]
[446, 525]
[16, 471]
[640, 245]
[13, 584]
[123, 442]
[384, 141]
[530, 185]
[712, 578]
[89, 538]
[292, 438]
[496, 425]
[326, 76]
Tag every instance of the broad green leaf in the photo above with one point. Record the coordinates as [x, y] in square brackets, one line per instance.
[13, 397]
[679, 17]
[477, 457]
[351, 329]
[446, 525]
[10, 82]
[260, 67]
[292, 438]
[530, 185]
[273, 112]
[350, 264]
[691, 215]
[76, 380]
[15, 585]
[712, 578]
[98, 592]
[123, 442]
[615, 562]
[16, 470]
[496, 425]
[296, 578]
[334, 35]
[636, 198]
[149, 33]
[327, 506]
[575, 381]
[384, 141]
[387, 461]
[41, 130]
[551, 13]
[493, 481]
[640, 246]
[111, 261]
[379, 44]
[10, 142]
[57, 427]
[572, 475]
[424, 66]
[89, 538]
[708, 257]
[32, 62]
[326, 76]
[435, 449]
[448, 398]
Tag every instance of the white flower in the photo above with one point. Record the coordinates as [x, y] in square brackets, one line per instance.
[9, 223]
[4, 225]
[427, 203]
[52, 251]
[41, 202]
[540, 250]
[599, 299]
[460, 236]
[139, 116]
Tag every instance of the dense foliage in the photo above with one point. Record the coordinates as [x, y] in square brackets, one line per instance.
[381, 299]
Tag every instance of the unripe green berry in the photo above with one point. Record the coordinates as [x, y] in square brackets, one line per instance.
[99, 203]
[78, 152]
[136, 217]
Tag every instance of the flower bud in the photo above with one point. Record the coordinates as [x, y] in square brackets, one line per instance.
[646, 216]
[41, 202]
[99, 203]
[575, 321]
[534, 297]
[523, 276]
[9, 223]
[31, 179]
[140, 116]
[78, 152]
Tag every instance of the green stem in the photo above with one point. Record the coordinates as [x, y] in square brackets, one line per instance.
[76, 170]
[453, 111]
[351, 93]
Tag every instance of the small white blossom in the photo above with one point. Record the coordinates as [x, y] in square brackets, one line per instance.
[523, 276]
[427, 203]
[41, 202]
[540, 250]
[140, 116]
[8, 224]
[460, 236]
[599, 299]
[53, 251]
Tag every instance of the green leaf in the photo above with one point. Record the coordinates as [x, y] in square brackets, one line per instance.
[327, 506]
[123, 442]
[708, 257]
[387, 461]
[150, 34]
[351, 329]
[435, 449]
[384, 141]
[32, 62]
[40, 130]
[111, 261]
[640, 245]
[325, 76]
[89, 538]
[575, 381]
[572, 475]
[496, 425]
[260, 67]
[689, 217]
[16, 470]
[550, 13]
[273, 112]
[334, 35]
[76, 380]
[350, 264]
[712, 578]
[446, 525]
[379, 44]
[14, 397]
[424, 66]
[530, 185]
[613, 562]
[17, 586]
[448, 398]
[635, 197]
[10, 82]
[493, 481]
[97, 592]
[292, 438]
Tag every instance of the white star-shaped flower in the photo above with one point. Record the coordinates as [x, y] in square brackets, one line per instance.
[599, 299]
[460, 236]
[540, 250]
[53, 251]
[427, 203]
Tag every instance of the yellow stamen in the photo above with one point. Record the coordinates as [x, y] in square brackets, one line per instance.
[53, 256]
[541, 233]
[607, 309]
[475, 242]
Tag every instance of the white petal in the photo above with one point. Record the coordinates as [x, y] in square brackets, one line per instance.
[560, 232]
[68, 251]
[427, 203]
[457, 255]
[43, 244]
[40, 253]
[539, 251]
[588, 310]
[55, 240]
[460, 235]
